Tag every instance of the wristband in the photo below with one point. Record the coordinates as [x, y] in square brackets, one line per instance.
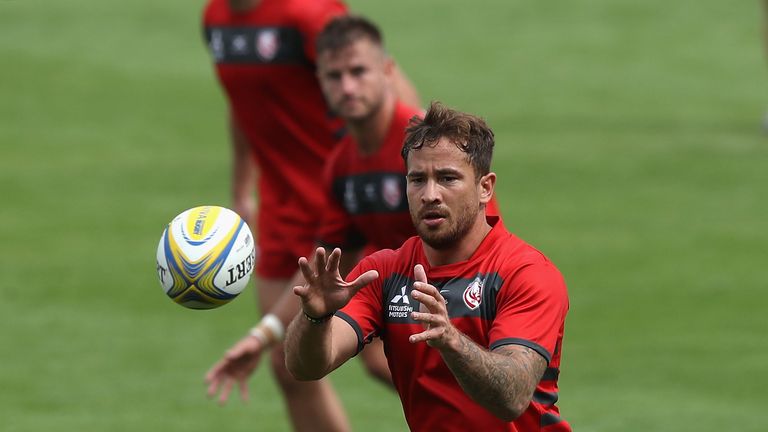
[269, 330]
[259, 334]
[272, 323]
[320, 320]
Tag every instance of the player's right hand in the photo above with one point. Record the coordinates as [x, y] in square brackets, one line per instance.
[325, 291]
[235, 367]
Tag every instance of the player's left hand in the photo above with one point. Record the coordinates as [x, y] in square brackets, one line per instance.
[325, 291]
[235, 368]
[433, 314]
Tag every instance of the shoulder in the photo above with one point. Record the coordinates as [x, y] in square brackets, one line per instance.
[312, 15]
[519, 262]
[404, 113]
[215, 11]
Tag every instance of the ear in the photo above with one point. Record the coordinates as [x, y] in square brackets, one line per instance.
[390, 67]
[486, 186]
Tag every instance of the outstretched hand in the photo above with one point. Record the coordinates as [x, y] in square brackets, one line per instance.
[433, 314]
[235, 367]
[325, 291]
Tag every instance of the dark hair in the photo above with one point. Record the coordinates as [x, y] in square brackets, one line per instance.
[468, 132]
[344, 30]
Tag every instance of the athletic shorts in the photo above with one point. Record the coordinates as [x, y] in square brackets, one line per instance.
[282, 238]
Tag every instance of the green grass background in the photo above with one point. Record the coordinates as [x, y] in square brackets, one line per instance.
[629, 150]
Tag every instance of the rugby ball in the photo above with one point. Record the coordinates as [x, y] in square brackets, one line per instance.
[205, 257]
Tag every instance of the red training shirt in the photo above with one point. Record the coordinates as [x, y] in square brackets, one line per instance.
[506, 293]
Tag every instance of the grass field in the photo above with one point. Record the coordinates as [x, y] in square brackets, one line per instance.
[629, 150]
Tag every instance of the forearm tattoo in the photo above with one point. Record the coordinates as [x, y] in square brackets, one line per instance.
[502, 381]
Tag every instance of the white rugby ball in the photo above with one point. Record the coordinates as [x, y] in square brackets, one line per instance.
[205, 257]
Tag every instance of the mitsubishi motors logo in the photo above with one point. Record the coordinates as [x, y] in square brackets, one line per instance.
[402, 297]
[400, 305]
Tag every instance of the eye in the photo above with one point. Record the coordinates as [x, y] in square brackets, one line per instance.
[333, 76]
[358, 71]
[448, 179]
[416, 180]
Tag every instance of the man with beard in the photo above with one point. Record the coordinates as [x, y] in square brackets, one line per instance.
[471, 316]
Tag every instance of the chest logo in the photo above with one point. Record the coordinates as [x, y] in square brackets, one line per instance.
[217, 45]
[267, 44]
[473, 295]
[402, 297]
[350, 199]
[399, 307]
[391, 192]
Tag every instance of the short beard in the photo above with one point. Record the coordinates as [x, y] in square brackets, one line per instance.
[464, 223]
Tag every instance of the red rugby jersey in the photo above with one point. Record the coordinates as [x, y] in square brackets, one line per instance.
[366, 203]
[265, 59]
[506, 293]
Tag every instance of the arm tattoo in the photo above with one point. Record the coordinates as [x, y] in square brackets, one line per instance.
[502, 381]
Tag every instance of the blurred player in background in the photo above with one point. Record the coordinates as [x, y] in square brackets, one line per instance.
[471, 316]
[282, 132]
[365, 207]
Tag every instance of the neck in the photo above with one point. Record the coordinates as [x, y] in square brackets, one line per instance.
[242, 5]
[463, 249]
[370, 133]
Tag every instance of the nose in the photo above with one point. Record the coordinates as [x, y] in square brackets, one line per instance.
[348, 84]
[431, 193]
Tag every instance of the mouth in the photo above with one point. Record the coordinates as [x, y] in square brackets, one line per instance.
[433, 218]
[350, 101]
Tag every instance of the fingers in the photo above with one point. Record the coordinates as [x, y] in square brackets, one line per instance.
[333, 261]
[426, 318]
[419, 274]
[320, 261]
[429, 297]
[213, 372]
[434, 330]
[306, 270]
[424, 336]
[432, 313]
[222, 382]
[439, 330]
[243, 389]
[213, 380]
[225, 390]
[363, 280]
[234, 368]
[215, 377]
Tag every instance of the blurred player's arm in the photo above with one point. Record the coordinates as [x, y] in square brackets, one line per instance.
[239, 362]
[244, 174]
[404, 88]
[318, 342]
[502, 380]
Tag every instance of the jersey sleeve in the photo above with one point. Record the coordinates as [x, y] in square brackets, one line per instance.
[364, 311]
[530, 309]
[314, 15]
